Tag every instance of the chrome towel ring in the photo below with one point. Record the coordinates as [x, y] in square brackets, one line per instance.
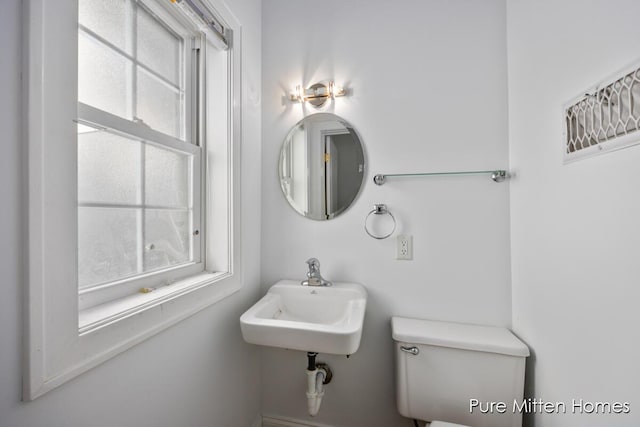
[379, 209]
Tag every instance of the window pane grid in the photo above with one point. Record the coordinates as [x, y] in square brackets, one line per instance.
[137, 256]
[138, 167]
[158, 105]
[95, 37]
[103, 77]
[133, 257]
[161, 48]
[154, 89]
[127, 237]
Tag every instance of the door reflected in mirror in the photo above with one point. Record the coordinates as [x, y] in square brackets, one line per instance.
[321, 166]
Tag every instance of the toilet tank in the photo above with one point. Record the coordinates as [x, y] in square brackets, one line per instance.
[451, 371]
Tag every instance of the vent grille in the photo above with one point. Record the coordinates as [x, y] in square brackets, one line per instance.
[606, 118]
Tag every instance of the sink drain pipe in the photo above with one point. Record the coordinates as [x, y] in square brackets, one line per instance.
[318, 374]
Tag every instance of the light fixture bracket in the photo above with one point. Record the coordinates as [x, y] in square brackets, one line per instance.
[317, 94]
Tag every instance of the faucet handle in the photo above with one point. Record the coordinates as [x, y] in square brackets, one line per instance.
[314, 264]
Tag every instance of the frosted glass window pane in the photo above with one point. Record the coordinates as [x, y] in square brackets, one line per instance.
[167, 177]
[109, 168]
[159, 105]
[158, 48]
[167, 238]
[105, 18]
[102, 77]
[107, 244]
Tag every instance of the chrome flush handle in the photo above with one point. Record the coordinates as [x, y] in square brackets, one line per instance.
[413, 350]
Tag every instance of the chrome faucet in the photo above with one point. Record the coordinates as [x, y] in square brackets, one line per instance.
[314, 278]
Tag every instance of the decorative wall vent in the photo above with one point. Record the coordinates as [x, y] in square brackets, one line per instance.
[606, 118]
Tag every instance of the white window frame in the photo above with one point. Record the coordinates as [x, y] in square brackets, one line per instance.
[56, 348]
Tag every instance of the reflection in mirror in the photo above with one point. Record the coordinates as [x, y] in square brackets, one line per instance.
[321, 166]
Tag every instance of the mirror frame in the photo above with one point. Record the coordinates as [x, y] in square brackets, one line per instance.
[354, 134]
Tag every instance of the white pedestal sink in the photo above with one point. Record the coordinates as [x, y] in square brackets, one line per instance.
[308, 318]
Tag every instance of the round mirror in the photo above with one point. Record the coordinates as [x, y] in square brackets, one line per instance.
[321, 166]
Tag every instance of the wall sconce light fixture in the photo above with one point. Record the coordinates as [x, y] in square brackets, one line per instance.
[317, 94]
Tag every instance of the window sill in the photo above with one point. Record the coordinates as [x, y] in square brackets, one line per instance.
[98, 317]
[112, 328]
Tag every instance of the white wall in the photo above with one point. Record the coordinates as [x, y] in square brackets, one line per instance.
[429, 93]
[197, 373]
[575, 234]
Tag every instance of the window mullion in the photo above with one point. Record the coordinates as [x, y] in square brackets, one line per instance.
[191, 78]
[142, 214]
[132, 93]
[130, 47]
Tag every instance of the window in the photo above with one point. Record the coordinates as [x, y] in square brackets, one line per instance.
[139, 157]
[133, 189]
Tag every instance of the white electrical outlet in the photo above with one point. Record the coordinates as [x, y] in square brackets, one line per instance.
[404, 249]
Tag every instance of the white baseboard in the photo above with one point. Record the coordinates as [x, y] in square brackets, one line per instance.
[268, 421]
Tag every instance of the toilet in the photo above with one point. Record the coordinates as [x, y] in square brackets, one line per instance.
[449, 373]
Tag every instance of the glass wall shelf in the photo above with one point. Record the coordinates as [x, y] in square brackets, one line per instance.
[497, 175]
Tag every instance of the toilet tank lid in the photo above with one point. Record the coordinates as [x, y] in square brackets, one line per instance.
[490, 339]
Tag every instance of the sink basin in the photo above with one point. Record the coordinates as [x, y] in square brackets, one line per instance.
[308, 318]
